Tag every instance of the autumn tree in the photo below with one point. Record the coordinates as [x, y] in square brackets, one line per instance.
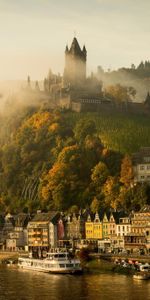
[95, 204]
[63, 182]
[112, 159]
[126, 175]
[83, 128]
[111, 189]
[120, 93]
[99, 174]
[133, 198]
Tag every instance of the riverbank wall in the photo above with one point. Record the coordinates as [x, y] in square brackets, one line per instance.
[112, 257]
[6, 256]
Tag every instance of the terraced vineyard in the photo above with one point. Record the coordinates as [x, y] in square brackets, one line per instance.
[124, 133]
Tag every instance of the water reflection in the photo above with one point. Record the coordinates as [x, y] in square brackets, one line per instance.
[17, 284]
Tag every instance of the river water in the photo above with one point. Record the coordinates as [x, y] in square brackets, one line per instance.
[18, 284]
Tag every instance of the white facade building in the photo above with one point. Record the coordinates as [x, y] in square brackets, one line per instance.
[124, 227]
[141, 165]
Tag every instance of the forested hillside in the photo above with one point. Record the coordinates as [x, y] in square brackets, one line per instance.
[64, 160]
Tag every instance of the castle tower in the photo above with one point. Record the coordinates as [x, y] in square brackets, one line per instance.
[75, 64]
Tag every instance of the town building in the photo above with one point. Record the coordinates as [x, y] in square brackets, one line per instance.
[138, 239]
[93, 227]
[43, 231]
[8, 228]
[105, 227]
[75, 226]
[123, 227]
[141, 165]
[17, 237]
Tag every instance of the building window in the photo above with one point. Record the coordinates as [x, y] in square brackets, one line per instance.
[147, 159]
[142, 167]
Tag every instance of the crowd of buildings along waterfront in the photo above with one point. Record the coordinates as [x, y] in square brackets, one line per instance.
[103, 231]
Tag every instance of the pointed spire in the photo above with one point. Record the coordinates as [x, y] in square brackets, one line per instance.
[84, 49]
[28, 82]
[66, 50]
[89, 218]
[75, 48]
[147, 100]
[37, 86]
[97, 219]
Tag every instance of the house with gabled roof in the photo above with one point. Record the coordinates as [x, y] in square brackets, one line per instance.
[139, 236]
[17, 235]
[42, 231]
[93, 227]
[105, 225]
[75, 227]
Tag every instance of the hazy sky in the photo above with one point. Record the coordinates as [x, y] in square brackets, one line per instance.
[34, 33]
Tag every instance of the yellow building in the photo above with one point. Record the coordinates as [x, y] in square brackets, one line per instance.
[93, 228]
[106, 227]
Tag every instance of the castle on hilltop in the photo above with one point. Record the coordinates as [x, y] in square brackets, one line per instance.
[77, 92]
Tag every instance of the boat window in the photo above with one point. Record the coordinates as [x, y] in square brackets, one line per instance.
[69, 265]
[60, 255]
[62, 266]
[77, 265]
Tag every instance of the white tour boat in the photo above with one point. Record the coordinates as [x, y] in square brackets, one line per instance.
[56, 261]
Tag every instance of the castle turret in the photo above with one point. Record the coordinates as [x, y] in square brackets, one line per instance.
[84, 51]
[75, 64]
